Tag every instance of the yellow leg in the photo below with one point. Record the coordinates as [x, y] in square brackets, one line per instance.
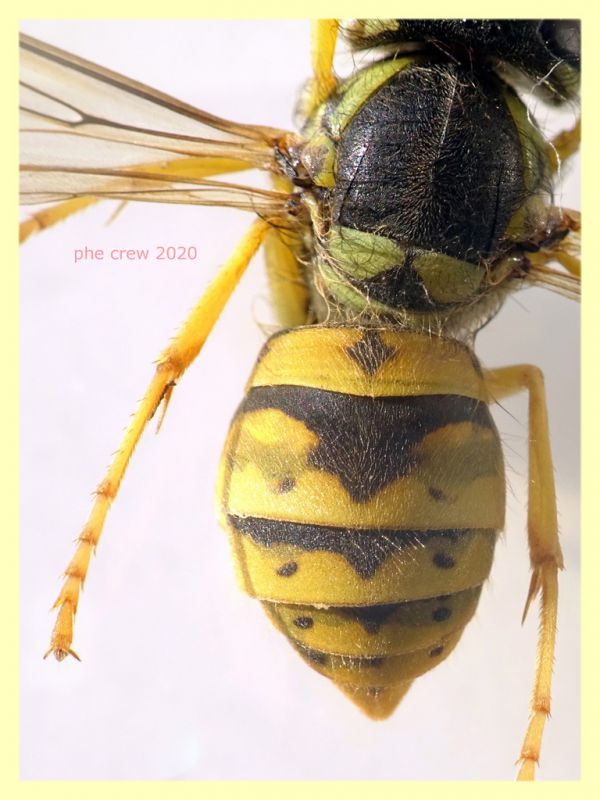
[564, 145]
[171, 364]
[288, 289]
[50, 216]
[324, 34]
[567, 260]
[566, 252]
[565, 257]
[544, 546]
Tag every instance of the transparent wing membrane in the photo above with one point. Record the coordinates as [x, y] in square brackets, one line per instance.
[88, 131]
[54, 185]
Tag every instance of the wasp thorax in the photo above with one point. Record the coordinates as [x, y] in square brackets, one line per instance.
[432, 172]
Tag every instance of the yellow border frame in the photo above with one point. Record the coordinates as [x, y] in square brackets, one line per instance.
[9, 775]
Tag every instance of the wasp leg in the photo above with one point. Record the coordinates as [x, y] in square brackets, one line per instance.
[50, 216]
[289, 292]
[564, 145]
[287, 285]
[570, 262]
[544, 546]
[186, 167]
[566, 252]
[566, 258]
[171, 364]
[324, 33]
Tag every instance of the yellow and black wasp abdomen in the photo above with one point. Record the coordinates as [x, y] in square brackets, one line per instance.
[362, 487]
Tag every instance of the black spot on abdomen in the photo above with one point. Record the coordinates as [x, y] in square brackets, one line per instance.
[443, 561]
[304, 623]
[286, 570]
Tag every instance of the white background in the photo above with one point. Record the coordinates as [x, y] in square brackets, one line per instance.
[182, 676]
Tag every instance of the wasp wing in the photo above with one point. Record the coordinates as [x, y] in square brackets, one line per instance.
[89, 132]
[55, 185]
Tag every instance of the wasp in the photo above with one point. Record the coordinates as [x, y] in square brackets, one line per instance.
[362, 483]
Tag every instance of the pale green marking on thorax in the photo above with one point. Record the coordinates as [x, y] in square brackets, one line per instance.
[327, 125]
[363, 255]
[533, 147]
[356, 91]
[447, 279]
[535, 170]
[360, 254]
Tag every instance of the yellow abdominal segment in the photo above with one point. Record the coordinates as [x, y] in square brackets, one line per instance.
[362, 488]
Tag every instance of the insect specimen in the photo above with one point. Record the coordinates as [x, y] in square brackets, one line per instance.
[371, 412]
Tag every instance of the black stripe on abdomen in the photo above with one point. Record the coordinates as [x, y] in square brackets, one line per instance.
[364, 549]
[367, 442]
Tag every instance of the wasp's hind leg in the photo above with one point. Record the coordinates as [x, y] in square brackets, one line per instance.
[172, 363]
[544, 546]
